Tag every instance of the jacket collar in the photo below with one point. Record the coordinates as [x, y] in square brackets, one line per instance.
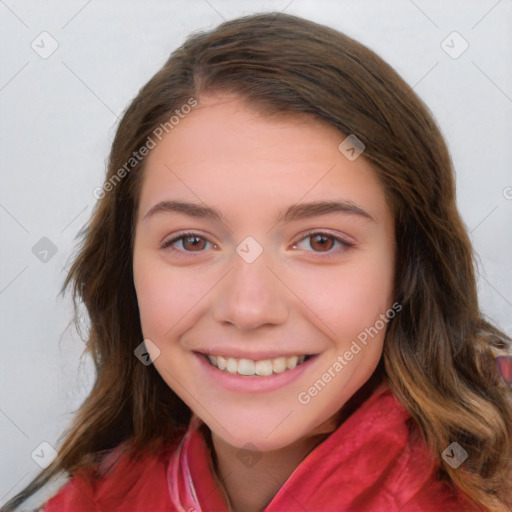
[341, 473]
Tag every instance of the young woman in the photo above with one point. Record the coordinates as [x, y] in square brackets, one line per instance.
[282, 295]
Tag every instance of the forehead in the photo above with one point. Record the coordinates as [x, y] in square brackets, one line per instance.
[225, 152]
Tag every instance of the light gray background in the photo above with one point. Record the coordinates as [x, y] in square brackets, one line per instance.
[58, 119]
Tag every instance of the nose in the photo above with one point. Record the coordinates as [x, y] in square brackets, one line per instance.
[250, 296]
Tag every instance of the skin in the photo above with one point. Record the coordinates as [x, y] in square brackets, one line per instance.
[302, 295]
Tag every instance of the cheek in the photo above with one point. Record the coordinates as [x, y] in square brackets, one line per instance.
[164, 295]
[348, 299]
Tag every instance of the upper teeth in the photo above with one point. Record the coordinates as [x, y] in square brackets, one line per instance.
[251, 367]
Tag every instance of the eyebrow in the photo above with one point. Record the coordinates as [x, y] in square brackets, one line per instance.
[292, 213]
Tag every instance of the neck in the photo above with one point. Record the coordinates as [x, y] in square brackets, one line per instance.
[251, 487]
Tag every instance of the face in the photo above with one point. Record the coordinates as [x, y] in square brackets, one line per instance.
[263, 265]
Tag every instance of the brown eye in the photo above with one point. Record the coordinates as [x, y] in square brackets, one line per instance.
[193, 243]
[321, 242]
[318, 242]
[187, 242]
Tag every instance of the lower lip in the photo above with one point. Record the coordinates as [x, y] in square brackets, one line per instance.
[253, 383]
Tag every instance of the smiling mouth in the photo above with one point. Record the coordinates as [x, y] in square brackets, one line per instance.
[261, 368]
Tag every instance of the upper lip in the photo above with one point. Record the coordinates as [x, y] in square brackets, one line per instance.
[255, 355]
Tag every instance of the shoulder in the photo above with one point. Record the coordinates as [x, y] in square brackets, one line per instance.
[416, 484]
[411, 478]
[122, 482]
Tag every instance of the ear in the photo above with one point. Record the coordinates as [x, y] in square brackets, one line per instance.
[504, 367]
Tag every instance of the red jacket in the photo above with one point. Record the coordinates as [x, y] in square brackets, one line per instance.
[371, 463]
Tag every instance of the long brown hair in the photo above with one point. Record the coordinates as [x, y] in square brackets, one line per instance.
[438, 353]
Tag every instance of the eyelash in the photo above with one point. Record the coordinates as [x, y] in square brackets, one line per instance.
[167, 244]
